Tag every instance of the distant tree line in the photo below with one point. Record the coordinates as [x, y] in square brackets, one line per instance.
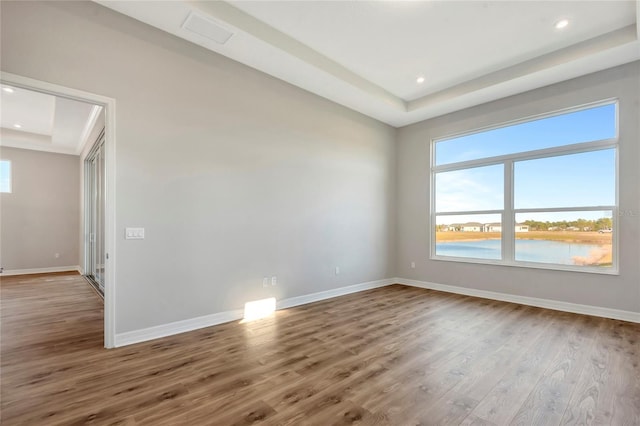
[574, 225]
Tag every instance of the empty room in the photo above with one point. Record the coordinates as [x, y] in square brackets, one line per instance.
[320, 212]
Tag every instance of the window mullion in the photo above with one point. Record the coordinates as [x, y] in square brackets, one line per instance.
[530, 155]
[508, 217]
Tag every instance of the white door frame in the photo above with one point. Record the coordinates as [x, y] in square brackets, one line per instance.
[109, 105]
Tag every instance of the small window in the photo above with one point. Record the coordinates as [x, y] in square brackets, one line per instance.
[5, 176]
[586, 125]
[536, 193]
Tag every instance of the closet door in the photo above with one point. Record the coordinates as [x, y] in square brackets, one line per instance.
[95, 211]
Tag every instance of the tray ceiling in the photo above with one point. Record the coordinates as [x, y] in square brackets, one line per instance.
[368, 55]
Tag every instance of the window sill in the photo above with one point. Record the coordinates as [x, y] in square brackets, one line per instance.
[613, 270]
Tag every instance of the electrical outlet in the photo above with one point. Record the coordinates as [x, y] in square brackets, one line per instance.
[274, 280]
[337, 270]
[134, 234]
[57, 255]
[265, 282]
[413, 265]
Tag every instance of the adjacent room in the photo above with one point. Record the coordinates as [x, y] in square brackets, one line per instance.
[319, 212]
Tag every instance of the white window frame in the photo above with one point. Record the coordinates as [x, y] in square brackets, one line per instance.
[10, 177]
[508, 213]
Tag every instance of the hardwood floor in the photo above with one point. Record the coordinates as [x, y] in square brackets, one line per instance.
[390, 356]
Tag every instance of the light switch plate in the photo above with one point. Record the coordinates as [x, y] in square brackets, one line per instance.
[134, 234]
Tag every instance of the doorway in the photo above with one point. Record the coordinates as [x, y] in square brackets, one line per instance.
[105, 269]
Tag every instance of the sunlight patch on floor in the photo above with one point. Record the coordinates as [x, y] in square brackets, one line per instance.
[259, 309]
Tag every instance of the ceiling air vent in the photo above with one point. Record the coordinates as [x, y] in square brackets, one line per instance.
[206, 28]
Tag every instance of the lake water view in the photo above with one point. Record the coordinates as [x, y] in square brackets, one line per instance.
[540, 251]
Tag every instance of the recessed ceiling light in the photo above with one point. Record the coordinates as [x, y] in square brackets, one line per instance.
[8, 89]
[17, 126]
[562, 23]
[420, 80]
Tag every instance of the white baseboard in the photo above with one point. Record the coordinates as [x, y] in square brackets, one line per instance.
[177, 327]
[530, 301]
[328, 294]
[164, 330]
[9, 272]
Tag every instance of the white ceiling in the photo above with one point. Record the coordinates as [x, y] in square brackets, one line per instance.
[367, 55]
[391, 43]
[46, 122]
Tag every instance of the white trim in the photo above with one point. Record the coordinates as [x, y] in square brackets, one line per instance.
[88, 127]
[40, 270]
[613, 270]
[110, 225]
[530, 301]
[177, 327]
[328, 294]
[538, 154]
[164, 330]
[109, 105]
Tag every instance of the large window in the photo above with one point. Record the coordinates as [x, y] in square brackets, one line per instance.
[5, 176]
[539, 192]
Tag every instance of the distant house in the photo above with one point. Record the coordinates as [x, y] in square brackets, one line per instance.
[572, 228]
[481, 227]
[492, 227]
[471, 227]
[497, 227]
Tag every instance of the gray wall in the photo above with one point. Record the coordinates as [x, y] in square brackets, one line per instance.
[41, 216]
[235, 175]
[617, 292]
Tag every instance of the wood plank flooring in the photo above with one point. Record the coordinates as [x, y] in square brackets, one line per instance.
[390, 356]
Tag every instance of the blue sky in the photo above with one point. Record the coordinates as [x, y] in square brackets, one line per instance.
[579, 126]
[585, 179]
